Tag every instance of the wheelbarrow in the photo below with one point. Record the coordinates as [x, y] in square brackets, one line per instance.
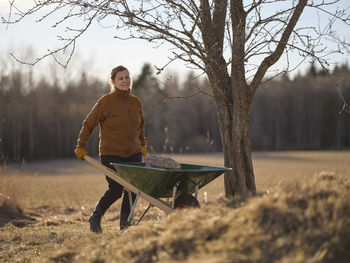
[155, 184]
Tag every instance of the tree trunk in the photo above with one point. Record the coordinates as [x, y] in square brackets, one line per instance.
[234, 126]
[31, 134]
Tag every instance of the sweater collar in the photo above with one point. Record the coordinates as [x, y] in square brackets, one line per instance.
[123, 93]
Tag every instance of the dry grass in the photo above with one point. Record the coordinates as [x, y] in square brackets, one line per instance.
[45, 206]
[9, 208]
[305, 222]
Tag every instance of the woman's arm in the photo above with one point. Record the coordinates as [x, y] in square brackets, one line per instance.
[91, 121]
[142, 131]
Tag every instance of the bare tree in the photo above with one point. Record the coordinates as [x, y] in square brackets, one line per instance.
[233, 42]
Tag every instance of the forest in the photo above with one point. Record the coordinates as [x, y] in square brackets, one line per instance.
[41, 119]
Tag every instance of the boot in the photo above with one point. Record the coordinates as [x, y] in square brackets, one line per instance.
[123, 221]
[95, 218]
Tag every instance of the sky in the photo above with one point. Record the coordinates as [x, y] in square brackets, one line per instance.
[97, 51]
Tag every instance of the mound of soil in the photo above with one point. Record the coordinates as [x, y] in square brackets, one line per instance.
[304, 222]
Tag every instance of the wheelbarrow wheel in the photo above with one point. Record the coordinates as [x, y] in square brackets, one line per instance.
[186, 200]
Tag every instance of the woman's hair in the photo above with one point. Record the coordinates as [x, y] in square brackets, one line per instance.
[114, 72]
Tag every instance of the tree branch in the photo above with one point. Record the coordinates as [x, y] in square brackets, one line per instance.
[272, 59]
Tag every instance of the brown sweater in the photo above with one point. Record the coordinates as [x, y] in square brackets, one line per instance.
[121, 124]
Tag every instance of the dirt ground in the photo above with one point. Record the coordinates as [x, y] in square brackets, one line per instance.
[45, 206]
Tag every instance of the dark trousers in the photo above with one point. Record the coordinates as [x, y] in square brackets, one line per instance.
[116, 190]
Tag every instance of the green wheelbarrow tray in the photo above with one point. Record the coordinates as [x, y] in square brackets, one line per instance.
[159, 182]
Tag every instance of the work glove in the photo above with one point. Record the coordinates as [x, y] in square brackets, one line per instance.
[143, 150]
[80, 152]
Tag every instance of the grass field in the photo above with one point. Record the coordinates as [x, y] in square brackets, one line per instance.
[45, 207]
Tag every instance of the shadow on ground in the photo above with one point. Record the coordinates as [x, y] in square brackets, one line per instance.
[13, 214]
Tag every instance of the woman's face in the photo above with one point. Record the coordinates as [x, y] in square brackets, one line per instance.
[122, 80]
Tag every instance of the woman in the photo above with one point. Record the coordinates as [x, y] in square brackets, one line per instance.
[122, 139]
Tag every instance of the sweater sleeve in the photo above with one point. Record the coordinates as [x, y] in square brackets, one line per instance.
[142, 131]
[90, 122]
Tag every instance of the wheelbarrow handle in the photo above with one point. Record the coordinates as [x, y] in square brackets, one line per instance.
[129, 187]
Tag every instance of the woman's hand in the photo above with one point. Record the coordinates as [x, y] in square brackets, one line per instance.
[143, 150]
[80, 152]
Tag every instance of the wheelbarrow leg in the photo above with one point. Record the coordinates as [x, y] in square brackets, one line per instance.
[196, 192]
[131, 215]
[174, 194]
[130, 203]
[143, 214]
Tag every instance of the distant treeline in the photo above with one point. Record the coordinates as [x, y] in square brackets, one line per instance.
[303, 114]
[42, 119]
